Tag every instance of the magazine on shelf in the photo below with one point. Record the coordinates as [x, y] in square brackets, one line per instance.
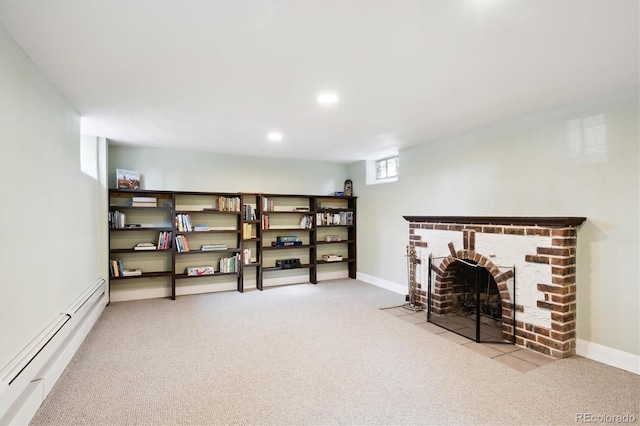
[127, 179]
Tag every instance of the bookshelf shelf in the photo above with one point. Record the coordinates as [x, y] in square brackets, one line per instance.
[246, 223]
[145, 275]
[288, 247]
[216, 274]
[116, 251]
[336, 242]
[155, 228]
[276, 268]
[324, 262]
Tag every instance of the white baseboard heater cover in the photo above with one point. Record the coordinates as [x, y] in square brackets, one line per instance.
[27, 380]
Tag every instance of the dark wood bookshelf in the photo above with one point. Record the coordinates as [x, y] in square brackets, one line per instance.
[172, 203]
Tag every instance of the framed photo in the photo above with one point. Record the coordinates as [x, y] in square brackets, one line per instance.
[127, 179]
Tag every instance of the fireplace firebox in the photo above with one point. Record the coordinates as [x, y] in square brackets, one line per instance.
[472, 303]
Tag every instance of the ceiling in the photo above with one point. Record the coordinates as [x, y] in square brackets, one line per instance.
[218, 76]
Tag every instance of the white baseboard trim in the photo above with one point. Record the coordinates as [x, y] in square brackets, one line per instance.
[379, 282]
[609, 356]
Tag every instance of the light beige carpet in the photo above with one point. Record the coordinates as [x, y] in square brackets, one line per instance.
[309, 354]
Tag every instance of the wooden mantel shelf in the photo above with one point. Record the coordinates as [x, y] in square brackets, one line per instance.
[502, 220]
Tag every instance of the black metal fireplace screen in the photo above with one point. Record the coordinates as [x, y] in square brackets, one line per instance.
[470, 304]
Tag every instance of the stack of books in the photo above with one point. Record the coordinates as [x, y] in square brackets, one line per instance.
[144, 202]
[145, 246]
[211, 247]
[332, 257]
[131, 272]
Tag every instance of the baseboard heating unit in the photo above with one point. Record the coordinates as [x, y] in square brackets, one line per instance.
[29, 378]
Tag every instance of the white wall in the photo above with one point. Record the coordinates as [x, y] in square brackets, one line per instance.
[49, 245]
[580, 160]
[182, 170]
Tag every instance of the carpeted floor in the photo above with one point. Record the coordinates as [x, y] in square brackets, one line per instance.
[309, 354]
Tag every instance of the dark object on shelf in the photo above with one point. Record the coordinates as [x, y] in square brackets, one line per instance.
[332, 258]
[283, 239]
[288, 263]
[286, 243]
[348, 188]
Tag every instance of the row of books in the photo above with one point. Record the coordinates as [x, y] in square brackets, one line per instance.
[247, 231]
[246, 256]
[164, 240]
[183, 222]
[182, 245]
[306, 222]
[229, 204]
[341, 218]
[117, 219]
[229, 264]
[267, 205]
[248, 212]
[116, 268]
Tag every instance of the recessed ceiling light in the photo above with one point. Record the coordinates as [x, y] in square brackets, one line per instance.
[327, 98]
[274, 136]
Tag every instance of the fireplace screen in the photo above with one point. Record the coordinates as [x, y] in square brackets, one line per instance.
[465, 299]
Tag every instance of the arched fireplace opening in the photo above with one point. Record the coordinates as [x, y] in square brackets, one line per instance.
[466, 300]
[475, 290]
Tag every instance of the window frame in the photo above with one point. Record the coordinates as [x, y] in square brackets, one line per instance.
[385, 161]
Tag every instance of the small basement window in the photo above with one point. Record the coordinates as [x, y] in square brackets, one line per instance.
[387, 168]
[383, 170]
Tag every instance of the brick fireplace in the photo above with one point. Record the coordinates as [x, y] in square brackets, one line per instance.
[532, 261]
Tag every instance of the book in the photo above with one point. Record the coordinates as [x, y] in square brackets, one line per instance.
[144, 199]
[286, 238]
[194, 271]
[332, 257]
[127, 179]
[131, 272]
[210, 247]
[145, 246]
[143, 204]
[286, 243]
